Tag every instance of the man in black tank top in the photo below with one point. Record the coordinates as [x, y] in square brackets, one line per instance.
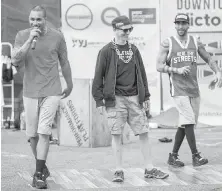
[177, 57]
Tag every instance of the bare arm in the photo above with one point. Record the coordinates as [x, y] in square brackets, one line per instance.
[21, 48]
[213, 65]
[207, 58]
[162, 58]
[19, 51]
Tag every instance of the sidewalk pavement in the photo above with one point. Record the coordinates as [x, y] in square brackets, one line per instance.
[17, 158]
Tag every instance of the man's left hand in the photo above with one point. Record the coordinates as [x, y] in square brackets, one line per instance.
[67, 92]
[217, 80]
[146, 105]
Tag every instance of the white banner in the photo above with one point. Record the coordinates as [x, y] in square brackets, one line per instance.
[205, 22]
[86, 25]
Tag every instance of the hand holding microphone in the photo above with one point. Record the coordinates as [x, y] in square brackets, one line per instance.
[34, 42]
[34, 35]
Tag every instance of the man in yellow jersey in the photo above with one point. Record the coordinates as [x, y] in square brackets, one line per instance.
[178, 57]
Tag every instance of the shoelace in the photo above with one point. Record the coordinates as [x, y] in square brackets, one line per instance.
[118, 173]
[176, 157]
[197, 155]
[156, 172]
[40, 176]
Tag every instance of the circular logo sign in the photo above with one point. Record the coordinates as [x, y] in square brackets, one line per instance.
[109, 14]
[79, 16]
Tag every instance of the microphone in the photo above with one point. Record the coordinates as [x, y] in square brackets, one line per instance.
[34, 42]
[35, 39]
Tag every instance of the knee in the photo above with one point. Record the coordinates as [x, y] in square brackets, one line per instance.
[116, 139]
[44, 137]
[143, 136]
[33, 138]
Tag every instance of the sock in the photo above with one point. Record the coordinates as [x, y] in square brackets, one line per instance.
[44, 164]
[40, 165]
[189, 131]
[180, 134]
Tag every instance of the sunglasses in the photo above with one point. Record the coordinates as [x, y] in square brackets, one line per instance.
[126, 30]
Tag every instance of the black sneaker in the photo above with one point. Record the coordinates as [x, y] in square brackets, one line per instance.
[174, 160]
[118, 176]
[165, 140]
[154, 173]
[198, 160]
[45, 173]
[38, 181]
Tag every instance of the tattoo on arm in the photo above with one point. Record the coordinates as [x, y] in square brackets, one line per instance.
[20, 52]
[16, 56]
[165, 44]
[162, 58]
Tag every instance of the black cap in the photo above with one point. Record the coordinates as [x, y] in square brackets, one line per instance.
[122, 22]
[182, 17]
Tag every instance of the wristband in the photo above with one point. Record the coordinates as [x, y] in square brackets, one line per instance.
[175, 70]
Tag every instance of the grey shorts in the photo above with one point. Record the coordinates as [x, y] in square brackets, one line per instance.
[40, 114]
[188, 109]
[127, 109]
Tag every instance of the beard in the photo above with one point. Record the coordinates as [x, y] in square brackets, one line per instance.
[182, 32]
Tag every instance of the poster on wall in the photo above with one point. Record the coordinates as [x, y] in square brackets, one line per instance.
[74, 115]
[86, 25]
[205, 23]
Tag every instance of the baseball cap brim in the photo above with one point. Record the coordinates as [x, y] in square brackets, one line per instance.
[181, 20]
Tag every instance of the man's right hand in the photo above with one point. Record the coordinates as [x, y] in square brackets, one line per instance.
[184, 70]
[101, 109]
[35, 32]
